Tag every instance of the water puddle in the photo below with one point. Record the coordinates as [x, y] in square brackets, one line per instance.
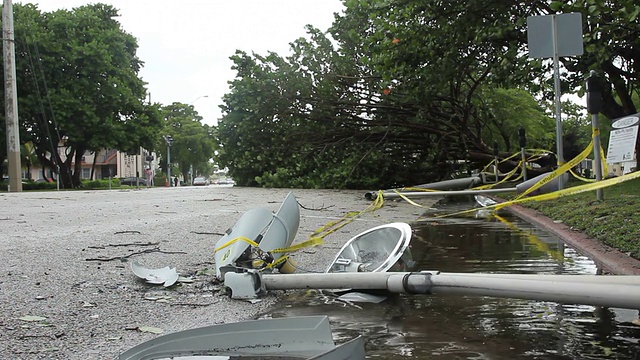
[471, 327]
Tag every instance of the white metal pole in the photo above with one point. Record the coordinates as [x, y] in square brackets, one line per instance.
[586, 279]
[614, 291]
[392, 195]
[576, 292]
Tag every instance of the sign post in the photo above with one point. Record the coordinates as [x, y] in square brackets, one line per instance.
[594, 106]
[552, 36]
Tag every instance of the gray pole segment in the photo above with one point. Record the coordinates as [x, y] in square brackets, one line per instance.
[524, 164]
[613, 291]
[169, 163]
[393, 195]
[577, 292]
[169, 140]
[596, 154]
[11, 100]
[556, 85]
[362, 280]
[137, 171]
[586, 279]
[594, 106]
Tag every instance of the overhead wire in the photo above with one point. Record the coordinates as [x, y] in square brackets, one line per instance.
[44, 120]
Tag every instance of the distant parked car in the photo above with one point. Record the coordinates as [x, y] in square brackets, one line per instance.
[200, 181]
[131, 181]
[5, 179]
[226, 182]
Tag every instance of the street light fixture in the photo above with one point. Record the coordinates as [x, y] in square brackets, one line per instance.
[198, 98]
[169, 140]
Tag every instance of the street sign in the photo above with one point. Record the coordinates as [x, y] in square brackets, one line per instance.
[562, 30]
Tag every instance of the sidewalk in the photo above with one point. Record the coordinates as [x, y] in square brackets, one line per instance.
[51, 243]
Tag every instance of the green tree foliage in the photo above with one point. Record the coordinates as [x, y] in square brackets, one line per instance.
[507, 111]
[193, 142]
[411, 88]
[302, 121]
[78, 86]
[373, 113]
[611, 32]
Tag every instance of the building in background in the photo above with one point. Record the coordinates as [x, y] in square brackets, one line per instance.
[106, 163]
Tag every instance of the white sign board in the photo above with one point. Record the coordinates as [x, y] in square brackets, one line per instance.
[622, 144]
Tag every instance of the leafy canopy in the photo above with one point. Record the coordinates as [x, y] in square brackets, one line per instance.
[78, 86]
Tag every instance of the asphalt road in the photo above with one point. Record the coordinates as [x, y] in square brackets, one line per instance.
[66, 288]
[67, 291]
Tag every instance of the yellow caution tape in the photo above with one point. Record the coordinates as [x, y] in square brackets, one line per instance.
[572, 191]
[348, 218]
[275, 263]
[317, 237]
[556, 194]
[488, 165]
[415, 189]
[535, 154]
[559, 171]
[234, 240]
[510, 157]
[506, 177]
[603, 160]
[405, 198]
[314, 241]
[579, 177]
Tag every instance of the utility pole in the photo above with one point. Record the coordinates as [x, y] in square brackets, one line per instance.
[10, 99]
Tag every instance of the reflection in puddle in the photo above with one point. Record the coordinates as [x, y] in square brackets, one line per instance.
[469, 327]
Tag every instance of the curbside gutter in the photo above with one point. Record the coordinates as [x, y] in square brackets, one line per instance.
[607, 258]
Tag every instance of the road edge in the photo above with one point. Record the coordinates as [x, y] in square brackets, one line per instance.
[607, 258]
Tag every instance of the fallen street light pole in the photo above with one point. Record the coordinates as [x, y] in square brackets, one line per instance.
[599, 290]
[393, 195]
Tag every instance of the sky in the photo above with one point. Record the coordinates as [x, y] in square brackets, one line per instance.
[186, 44]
